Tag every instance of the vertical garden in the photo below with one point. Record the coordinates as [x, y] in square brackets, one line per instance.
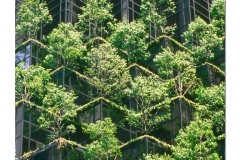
[104, 88]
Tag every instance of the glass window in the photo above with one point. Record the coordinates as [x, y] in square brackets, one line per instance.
[39, 134]
[25, 146]
[33, 145]
[136, 6]
[176, 125]
[123, 134]
[116, 8]
[35, 115]
[187, 15]
[23, 55]
[26, 129]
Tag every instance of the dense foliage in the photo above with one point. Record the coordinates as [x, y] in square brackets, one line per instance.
[99, 60]
[105, 144]
[31, 16]
[65, 46]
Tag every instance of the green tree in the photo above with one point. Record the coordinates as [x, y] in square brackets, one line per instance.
[196, 142]
[32, 14]
[148, 92]
[156, 157]
[105, 144]
[65, 46]
[130, 38]
[57, 109]
[30, 82]
[218, 15]
[108, 71]
[213, 98]
[154, 13]
[177, 67]
[94, 18]
[203, 40]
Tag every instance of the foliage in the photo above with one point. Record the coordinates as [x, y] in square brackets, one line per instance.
[197, 141]
[218, 15]
[94, 18]
[203, 40]
[170, 62]
[202, 43]
[65, 46]
[58, 107]
[107, 70]
[147, 92]
[30, 82]
[131, 38]
[213, 98]
[163, 61]
[153, 14]
[156, 157]
[105, 144]
[177, 68]
[32, 14]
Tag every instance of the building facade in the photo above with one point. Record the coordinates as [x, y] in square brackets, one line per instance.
[29, 136]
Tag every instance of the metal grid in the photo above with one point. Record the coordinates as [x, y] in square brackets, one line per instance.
[129, 9]
[186, 12]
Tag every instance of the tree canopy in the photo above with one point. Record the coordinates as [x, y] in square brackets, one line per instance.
[32, 14]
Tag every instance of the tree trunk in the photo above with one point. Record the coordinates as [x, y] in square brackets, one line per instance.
[58, 150]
